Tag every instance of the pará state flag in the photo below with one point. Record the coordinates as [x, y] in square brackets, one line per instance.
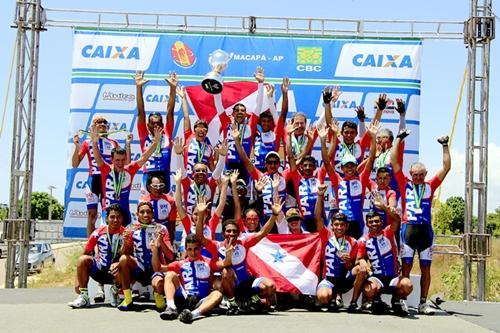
[203, 103]
[291, 261]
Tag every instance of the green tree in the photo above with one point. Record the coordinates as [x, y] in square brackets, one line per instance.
[449, 216]
[40, 202]
[493, 223]
[4, 212]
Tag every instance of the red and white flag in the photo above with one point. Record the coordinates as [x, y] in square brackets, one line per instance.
[203, 103]
[291, 261]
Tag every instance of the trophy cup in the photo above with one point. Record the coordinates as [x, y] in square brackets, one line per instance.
[213, 82]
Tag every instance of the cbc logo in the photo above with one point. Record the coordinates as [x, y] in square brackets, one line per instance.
[308, 68]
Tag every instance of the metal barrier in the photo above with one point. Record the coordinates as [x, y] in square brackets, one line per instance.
[473, 245]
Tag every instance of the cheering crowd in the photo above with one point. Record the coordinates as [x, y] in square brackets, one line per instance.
[260, 178]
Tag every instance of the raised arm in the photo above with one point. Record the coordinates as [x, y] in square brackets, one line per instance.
[181, 91]
[201, 206]
[221, 159]
[380, 104]
[290, 128]
[396, 167]
[272, 103]
[361, 115]
[441, 174]
[178, 153]
[172, 82]
[128, 141]
[139, 84]
[372, 131]
[236, 200]
[323, 133]
[224, 181]
[147, 154]
[178, 194]
[76, 158]
[401, 109]
[259, 76]
[266, 229]
[285, 86]
[244, 157]
[94, 138]
[318, 209]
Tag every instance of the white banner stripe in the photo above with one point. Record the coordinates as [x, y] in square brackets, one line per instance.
[289, 266]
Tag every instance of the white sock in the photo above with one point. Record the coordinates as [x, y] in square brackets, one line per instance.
[196, 314]
[171, 304]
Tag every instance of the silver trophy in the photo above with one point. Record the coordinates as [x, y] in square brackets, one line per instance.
[213, 82]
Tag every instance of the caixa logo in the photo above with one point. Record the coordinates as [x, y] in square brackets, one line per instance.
[382, 60]
[110, 52]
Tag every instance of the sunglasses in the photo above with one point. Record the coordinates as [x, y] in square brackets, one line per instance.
[158, 186]
[200, 171]
[273, 162]
[101, 122]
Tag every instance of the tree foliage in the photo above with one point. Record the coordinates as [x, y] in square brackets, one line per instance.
[449, 216]
[40, 202]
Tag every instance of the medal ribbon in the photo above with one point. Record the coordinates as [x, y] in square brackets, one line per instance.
[340, 246]
[298, 143]
[117, 186]
[350, 148]
[201, 151]
[242, 132]
[199, 191]
[115, 244]
[419, 194]
[382, 159]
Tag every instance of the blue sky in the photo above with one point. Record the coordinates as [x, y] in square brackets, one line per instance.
[442, 70]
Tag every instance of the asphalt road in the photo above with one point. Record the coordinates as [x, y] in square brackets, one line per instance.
[45, 310]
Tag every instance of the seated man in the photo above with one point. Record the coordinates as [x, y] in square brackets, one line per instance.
[237, 282]
[340, 274]
[136, 264]
[379, 249]
[103, 265]
[187, 284]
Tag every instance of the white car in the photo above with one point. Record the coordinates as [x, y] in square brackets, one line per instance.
[40, 255]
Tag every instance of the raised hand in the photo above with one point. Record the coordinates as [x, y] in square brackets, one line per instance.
[276, 181]
[373, 128]
[310, 132]
[336, 93]
[178, 146]
[327, 95]
[290, 128]
[235, 131]
[224, 179]
[381, 102]
[76, 139]
[223, 148]
[322, 189]
[259, 184]
[234, 176]
[129, 138]
[322, 131]
[444, 140]
[158, 134]
[172, 80]
[403, 134]
[360, 113]
[94, 134]
[285, 85]
[201, 204]
[377, 199]
[400, 106]
[334, 126]
[277, 206]
[259, 74]
[270, 90]
[181, 91]
[139, 79]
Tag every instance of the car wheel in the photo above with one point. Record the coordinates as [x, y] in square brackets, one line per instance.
[42, 265]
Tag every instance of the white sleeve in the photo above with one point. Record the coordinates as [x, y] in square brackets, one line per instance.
[219, 167]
